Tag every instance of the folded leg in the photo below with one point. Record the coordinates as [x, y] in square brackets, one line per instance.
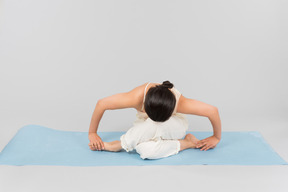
[137, 134]
[164, 148]
[158, 149]
[172, 129]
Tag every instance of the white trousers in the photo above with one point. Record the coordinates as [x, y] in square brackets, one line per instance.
[153, 140]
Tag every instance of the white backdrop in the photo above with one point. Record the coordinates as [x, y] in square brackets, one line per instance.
[59, 57]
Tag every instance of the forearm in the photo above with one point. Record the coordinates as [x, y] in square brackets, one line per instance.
[216, 123]
[96, 117]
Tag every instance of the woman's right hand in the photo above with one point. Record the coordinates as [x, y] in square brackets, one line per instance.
[96, 142]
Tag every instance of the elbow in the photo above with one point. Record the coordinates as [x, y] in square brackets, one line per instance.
[100, 104]
[213, 111]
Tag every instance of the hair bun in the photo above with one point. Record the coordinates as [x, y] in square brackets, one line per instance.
[167, 84]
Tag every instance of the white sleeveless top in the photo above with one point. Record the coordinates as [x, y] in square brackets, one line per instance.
[143, 115]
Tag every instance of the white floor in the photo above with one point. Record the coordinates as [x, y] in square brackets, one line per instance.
[159, 178]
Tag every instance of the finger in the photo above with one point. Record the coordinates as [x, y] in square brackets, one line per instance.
[98, 146]
[203, 148]
[91, 146]
[206, 148]
[199, 142]
[102, 145]
[95, 146]
[204, 144]
[200, 145]
[93, 149]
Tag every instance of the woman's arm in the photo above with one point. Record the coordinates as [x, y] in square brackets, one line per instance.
[96, 117]
[117, 101]
[129, 99]
[195, 107]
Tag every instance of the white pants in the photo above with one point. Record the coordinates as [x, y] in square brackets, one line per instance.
[153, 140]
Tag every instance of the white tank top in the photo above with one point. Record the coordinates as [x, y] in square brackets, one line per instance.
[177, 94]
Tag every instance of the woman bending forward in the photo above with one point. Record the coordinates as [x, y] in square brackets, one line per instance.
[160, 125]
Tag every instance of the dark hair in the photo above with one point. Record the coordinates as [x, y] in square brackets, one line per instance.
[160, 102]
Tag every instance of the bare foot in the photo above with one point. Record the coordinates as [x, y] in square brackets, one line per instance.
[192, 140]
[114, 146]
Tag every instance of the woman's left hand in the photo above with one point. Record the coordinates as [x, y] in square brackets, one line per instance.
[209, 142]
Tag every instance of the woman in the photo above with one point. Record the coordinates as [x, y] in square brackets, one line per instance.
[161, 122]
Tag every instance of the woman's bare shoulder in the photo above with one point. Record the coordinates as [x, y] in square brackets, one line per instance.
[138, 93]
[140, 89]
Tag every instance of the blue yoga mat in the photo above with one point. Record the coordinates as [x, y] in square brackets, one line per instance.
[39, 145]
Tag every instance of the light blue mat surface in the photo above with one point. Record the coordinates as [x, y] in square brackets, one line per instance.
[39, 145]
